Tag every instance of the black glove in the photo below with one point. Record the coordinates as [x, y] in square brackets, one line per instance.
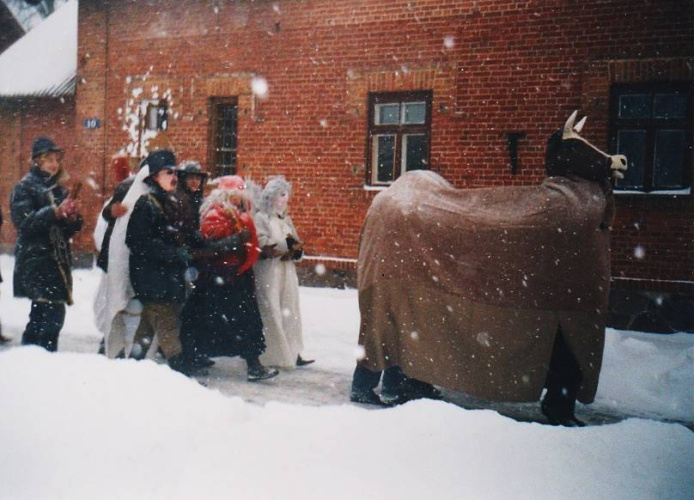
[230, 244]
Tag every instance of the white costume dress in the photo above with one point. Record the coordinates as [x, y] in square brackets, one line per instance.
[116, 311]
[277, 287]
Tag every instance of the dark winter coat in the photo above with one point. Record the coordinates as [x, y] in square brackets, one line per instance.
[156, 267]
[43, 256]
[189, 210]
[118, 196]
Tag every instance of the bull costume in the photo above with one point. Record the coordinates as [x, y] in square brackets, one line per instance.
[46, 217]
[495, 292]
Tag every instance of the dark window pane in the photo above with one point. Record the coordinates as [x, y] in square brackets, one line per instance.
[632, 143]
[415, 113]
[668, 163]
[670, 106]
[414, 152]
[384, 156]
[635, 106]
[226, 133]
[387, 114]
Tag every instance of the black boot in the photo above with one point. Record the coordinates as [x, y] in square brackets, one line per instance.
[256, 371]
[563, 381]
[180, 364]
[367, 397]
[558, 414]
[303, 362]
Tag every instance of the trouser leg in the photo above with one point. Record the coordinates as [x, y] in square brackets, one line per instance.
[143, 335]
[563, 378]
[46, 319]
[163, 321]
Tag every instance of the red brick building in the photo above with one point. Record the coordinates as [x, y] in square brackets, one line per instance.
[341, 97]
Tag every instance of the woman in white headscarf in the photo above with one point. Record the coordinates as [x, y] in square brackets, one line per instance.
[277, 283]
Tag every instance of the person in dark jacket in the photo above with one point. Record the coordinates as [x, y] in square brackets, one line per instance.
[46, 217]
[158, 259]
[189, 193]
[221, 316]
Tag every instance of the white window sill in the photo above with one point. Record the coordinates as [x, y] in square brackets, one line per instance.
[376, 188]
[673, 192]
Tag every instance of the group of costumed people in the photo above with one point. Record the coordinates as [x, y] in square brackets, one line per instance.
[196, 277]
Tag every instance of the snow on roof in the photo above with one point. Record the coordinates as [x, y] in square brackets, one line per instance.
[43, 63]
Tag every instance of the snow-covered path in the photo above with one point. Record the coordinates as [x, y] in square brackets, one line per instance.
[643, 375]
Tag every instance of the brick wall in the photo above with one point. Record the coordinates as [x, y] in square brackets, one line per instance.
[494, 67]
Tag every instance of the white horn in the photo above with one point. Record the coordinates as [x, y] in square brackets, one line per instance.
[579, 126]
[569, 125]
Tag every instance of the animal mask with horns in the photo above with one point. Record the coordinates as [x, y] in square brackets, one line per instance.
[569, 153]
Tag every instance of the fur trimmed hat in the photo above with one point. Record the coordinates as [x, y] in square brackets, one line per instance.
[43, 145]
[159, 160]
[191, 167]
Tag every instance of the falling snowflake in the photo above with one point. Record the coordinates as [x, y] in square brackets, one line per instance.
[359, 352]
[259, 87]
[448, 42]
[483, 339]
[639, 252]
[414, 335]
[320, 269]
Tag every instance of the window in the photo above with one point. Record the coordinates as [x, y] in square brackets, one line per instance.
[399, 135]
[156, 116]
[152, 119]
[652, 125]
[223, 143]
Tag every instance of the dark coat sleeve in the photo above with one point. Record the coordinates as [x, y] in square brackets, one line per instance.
[29, 218]
[118, 196]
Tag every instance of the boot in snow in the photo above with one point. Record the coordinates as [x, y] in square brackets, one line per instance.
[256, 371]
[180, 364]
[367, 397]
[303, 362]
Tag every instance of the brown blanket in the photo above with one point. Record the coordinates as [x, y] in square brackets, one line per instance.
[465, 289]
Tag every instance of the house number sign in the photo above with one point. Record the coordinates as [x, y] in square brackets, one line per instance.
[91, 123]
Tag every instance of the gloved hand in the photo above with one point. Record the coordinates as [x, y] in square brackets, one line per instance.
[118, 210]
[270, 252]
[184, 255]
[67, 209]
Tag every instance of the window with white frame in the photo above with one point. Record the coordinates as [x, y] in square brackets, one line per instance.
[399, 135]
[652, 125]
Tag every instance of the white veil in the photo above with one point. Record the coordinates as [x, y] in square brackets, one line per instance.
[115, 292]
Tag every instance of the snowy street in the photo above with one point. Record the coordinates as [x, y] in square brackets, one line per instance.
[86, 425]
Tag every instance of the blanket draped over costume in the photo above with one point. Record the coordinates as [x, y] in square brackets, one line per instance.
[465, 289]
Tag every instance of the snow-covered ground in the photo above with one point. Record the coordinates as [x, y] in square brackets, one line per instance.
[76, 425]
